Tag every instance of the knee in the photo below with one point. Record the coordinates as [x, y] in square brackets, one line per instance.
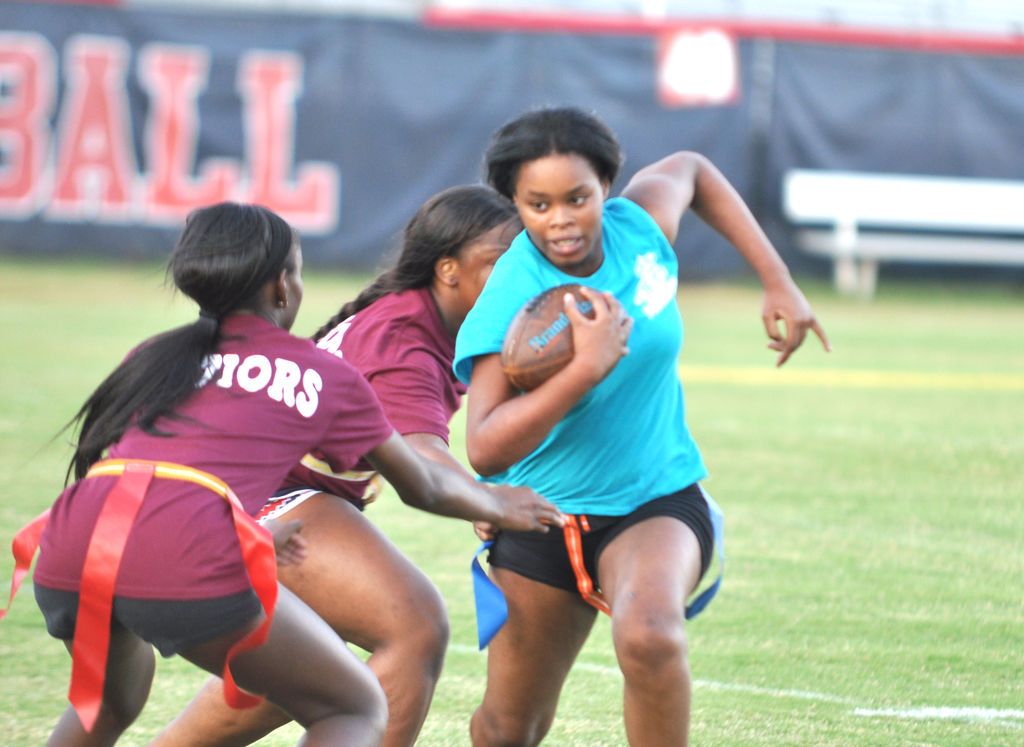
[425, 630]
[507, 730]
[117, 714]
[649, 645]
[435, 630]
[366, 706]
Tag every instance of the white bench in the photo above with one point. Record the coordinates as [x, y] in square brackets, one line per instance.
[860, 218]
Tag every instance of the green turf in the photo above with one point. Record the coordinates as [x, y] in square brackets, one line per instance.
[874, 592]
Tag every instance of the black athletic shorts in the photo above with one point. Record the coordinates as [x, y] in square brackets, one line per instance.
[172, 626]
[544, 557]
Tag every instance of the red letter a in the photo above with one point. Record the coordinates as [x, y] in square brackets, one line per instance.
[270, 84]
[95, 163]
[174, 76]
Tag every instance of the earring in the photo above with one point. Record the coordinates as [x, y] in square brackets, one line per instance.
[281, 304]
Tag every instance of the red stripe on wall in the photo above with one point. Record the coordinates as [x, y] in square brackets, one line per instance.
[814, 33]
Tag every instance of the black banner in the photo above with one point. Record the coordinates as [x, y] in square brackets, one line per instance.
[115, 122]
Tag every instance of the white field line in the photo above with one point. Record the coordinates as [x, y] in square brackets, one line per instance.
[852, 379]
[1003, 717]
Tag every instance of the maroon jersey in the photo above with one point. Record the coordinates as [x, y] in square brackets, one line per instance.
[400, 345]
[268, 398]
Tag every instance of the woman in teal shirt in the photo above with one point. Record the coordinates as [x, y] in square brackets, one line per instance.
[605, 438]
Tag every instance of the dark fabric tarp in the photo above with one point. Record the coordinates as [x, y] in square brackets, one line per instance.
[399, 111]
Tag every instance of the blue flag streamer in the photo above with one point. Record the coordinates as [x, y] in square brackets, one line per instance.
[491, 607]
[718, 525]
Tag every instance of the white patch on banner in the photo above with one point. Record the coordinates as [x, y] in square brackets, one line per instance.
[698, 67]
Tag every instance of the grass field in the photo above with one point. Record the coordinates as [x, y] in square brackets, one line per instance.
[874, 500]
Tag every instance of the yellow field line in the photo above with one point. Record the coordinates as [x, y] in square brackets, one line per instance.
[851, 379]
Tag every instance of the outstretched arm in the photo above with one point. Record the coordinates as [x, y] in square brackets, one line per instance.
[667, 188]
[433, 447]
[441, 489]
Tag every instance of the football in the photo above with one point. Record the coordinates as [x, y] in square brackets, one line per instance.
[538, 342]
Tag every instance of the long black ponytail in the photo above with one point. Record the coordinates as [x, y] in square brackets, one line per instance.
[223, 258]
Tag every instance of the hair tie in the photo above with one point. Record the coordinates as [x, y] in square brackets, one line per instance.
[204, 314]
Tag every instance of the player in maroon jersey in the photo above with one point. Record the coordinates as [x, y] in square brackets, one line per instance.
[177, 448]
[400, 334]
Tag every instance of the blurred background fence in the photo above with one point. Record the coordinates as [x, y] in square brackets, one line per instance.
[116, 118]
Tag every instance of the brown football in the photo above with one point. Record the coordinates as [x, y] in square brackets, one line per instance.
[538, 342]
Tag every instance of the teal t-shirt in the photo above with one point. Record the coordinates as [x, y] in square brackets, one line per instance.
[626, 442]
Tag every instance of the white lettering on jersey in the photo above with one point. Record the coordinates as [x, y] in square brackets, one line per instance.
[255, 373]
[656, 287]
[308, 400]
[230, 364]
[331, 342]
[211, 365]
[286, 378]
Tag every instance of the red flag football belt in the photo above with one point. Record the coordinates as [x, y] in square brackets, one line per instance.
[574, 527]
[103, 557]
[574, 544]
